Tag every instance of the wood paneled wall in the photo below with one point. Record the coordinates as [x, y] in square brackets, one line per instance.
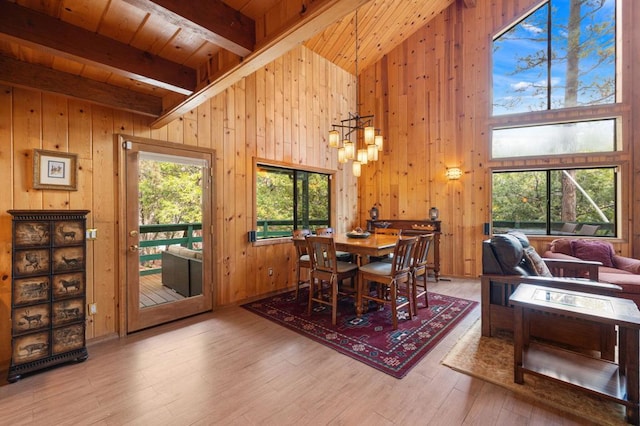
[431, 98]
[281, 113]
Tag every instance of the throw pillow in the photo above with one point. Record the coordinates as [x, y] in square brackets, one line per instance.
[561, 245]
[535, 263]
[595, 251]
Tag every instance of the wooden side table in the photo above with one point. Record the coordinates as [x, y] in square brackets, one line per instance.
[618, 382]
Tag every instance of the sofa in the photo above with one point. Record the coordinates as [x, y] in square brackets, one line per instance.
[614, 269]
[182, 270]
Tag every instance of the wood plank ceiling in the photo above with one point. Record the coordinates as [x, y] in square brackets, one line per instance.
[162, 58]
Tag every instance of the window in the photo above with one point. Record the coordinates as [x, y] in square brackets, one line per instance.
[562, 55]
[555, 202]
[554, 139]
[554, 93]
[288, 199]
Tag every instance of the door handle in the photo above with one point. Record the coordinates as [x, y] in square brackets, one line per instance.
[133, 248]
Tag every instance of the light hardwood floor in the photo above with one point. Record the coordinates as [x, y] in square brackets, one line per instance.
[234, 367]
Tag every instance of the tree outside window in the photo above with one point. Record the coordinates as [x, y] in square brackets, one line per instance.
[288, 199]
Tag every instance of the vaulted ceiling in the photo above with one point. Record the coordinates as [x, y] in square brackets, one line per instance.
[162, 58]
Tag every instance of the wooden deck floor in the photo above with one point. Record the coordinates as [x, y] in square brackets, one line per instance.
[152, 292]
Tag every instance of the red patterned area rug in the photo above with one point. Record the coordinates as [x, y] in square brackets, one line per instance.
[369, 339]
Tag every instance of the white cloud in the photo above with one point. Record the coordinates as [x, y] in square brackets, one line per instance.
[532, 28]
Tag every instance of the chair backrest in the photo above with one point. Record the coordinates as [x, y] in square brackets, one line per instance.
[402, 255]
[388, 231]
[301, 246]
[299, 241]
[300, 233]
[568, 227]
[421, 251]
[588, 230]
[322, 251]
[324, 231]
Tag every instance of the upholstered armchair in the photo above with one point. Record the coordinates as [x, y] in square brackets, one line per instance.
[509, 260]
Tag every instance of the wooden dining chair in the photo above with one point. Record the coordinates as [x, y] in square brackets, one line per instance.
[343, 256]
[419, 270]
[393, 281]
[588, 230]
[303, 261]
[385, 231]
[328, 274]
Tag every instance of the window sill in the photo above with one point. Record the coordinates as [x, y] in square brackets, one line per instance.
[271, 241]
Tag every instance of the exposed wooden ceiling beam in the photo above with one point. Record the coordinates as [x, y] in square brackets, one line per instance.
[212, 20]
[25, 26]
[22, 74]
[317, 16]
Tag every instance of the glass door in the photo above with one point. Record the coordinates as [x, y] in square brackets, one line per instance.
[168, 232]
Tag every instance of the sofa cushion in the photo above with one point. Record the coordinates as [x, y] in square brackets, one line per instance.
[627, 264]
[185, 252]
[597, 251]
[560, 256]
[630, 283]
[535, 263]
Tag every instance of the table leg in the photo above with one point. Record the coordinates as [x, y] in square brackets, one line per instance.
[518, 331]
[359, 281]
[631, 348]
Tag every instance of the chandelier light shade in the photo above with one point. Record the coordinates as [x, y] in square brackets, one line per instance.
[357, 169]
[369, 135]
[334, 138]
[349, 149]
[379, 141]
[363, 156]
[372, 152]
[364, 148]
[342, 156]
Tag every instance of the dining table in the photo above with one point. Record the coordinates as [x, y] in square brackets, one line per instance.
[376, 245]
[363, 247]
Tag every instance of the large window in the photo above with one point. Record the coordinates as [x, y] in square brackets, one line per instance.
[288, 199]
[562, 55]
[555, 202]
[554, 95]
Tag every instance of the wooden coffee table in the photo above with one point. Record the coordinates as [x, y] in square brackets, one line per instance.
[618, 382]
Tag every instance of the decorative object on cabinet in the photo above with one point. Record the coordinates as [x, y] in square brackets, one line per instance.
[428, 226]
[54, 170]
[434, 213]
[48, 289]
[373, 213]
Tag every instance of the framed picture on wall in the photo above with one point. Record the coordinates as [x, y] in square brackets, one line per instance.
[54, 170]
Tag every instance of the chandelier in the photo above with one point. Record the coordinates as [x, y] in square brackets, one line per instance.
[356, 137]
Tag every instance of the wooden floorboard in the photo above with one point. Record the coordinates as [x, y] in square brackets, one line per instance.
[234, 367]
[152, 292]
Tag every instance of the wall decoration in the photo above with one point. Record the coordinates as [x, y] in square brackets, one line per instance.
[54, 170]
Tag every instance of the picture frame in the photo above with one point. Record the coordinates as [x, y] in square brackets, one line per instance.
[55, 170]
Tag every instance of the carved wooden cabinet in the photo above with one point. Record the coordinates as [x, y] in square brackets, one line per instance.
[48, 289]
[421, 225]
